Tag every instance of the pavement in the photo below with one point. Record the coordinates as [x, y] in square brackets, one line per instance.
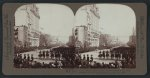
[96, 58]
[94, 53]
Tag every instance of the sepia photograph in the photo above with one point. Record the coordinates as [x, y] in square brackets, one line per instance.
[74, 39]
[95, 36]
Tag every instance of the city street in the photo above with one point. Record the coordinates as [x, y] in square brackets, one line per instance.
[96, 58]
[93, 53]
[36, 58]
[62, 39]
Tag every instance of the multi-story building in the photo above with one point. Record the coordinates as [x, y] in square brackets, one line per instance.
[28, 15]
[21, 35]
[80, 35]
[90, 27]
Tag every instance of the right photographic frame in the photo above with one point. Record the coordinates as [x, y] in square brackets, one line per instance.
[75, 39]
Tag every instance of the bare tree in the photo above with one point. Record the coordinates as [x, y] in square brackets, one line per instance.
[108, 41]
[45, 40]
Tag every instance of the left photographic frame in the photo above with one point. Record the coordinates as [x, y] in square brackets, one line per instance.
[81, 39]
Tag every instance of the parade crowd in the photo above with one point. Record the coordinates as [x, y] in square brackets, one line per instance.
[73, 60]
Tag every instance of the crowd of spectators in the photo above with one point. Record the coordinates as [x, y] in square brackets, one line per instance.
[74, 60]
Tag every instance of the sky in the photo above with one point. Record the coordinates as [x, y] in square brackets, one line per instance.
[56, 20]
[115, 19]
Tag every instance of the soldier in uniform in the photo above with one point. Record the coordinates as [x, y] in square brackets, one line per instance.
[28, 58]
[88, 59]
[47, 54]
[24, 56]
[107, 55]
[32, 57]
[103, 54]
[99, 55]
[112, 55]
[43, 54]
[84, 57]
[91, 59]
[40, 55]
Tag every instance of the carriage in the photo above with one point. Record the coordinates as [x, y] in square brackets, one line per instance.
[66, 52]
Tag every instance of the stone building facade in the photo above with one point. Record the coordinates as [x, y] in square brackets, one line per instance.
[28, 17]
[88, 26]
